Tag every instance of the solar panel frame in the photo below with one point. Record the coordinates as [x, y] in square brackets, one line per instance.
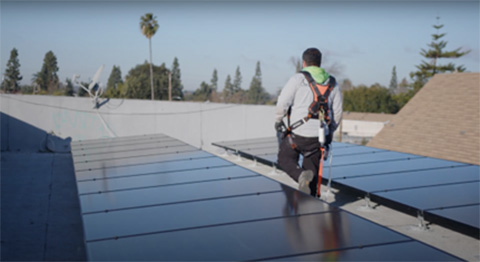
[404, 163]
[206, 208]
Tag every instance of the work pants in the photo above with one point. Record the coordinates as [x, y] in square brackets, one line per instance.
[288, 158]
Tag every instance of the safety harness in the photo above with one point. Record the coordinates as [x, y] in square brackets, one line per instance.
[318, 109]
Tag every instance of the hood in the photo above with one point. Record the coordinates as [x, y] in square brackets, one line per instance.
[318, 73]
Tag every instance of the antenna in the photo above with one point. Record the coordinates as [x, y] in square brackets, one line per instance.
[94, 90]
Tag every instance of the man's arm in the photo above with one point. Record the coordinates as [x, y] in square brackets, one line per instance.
[337, 108]
[285, 99]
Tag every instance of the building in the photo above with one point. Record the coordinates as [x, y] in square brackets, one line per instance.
[442, 121]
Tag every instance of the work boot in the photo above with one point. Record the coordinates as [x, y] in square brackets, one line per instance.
[304, 181]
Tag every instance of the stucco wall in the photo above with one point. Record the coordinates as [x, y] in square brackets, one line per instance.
[358, 128]
[198, 124]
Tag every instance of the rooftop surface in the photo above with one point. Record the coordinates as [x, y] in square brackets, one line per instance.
[373, 117]
[45, 221]
[445, 239]
[442, 120]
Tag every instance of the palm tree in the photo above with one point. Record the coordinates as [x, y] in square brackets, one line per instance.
[149, 27]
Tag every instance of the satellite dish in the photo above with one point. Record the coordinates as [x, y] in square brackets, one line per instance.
[94, 90]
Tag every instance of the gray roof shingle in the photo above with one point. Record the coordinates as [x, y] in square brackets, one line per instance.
[442, 120]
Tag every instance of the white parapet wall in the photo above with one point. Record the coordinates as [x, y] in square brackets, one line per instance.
[361, 128]
[198, 124]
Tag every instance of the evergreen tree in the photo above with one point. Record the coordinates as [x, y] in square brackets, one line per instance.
[228, 89]
[428, 69]
[12, 73]
[237, 81]
[256, 92]
[47, 79]
[69, 90]
[214, 80]
[177, 87]
[203, 93]
[114, 80]
[149, 26]
[393, 81]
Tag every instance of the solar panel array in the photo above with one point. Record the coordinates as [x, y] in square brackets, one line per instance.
[157, 198]
[440, 191]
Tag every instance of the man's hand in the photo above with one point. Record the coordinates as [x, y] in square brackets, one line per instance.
[280, 126]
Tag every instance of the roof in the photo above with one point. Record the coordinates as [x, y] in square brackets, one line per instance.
[373, 117]
[442, 120]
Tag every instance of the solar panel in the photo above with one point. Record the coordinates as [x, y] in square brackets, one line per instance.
[404, 181]
[191, 205]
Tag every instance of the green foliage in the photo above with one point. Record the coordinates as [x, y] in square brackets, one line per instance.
[148, 25]
[47, 78]
[393, 81]
[214, 80]
[69, 90]
[233, 92]
[26, 89]
[237, 81]
[228, 89]
[203, 93]
[12, 73]
[177, 87]
[81, 91]
[402, 99]
[114, 80]
[374, 99]
[137, 82]
[428, 69]
[256, 94]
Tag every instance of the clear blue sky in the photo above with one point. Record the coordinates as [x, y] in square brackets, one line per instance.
[364, 39]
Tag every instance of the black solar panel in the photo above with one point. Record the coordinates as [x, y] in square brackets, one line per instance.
[191, 205]
[411, 183]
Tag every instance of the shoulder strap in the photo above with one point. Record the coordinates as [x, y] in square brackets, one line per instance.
[313, 86]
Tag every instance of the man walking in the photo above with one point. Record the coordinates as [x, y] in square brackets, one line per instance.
[296, 99]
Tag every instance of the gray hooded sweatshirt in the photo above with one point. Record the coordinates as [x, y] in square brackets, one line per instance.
[298, 95]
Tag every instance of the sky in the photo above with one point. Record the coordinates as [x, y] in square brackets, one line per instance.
[361, 40]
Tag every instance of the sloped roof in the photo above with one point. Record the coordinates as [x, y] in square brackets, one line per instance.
[373, 117]
[442, 120]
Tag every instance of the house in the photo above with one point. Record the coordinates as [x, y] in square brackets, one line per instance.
[442, 121]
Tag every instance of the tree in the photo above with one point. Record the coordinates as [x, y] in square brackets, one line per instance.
[214, 80]
[69, 90]
[47, 79]
[114, 80]
[149, 26]
[237, 81]
[393, 81]
[136, 82]
[203, 93]
[428, 69]
[177, 87]
[228, 89]
[256, 93]
[12, 73]
[373, 99]
[346, 85]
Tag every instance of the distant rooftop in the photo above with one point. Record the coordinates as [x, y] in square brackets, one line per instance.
[441, 121]
[373, 117]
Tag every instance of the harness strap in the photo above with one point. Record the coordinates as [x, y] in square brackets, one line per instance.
[316, 96]
[320, 169]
